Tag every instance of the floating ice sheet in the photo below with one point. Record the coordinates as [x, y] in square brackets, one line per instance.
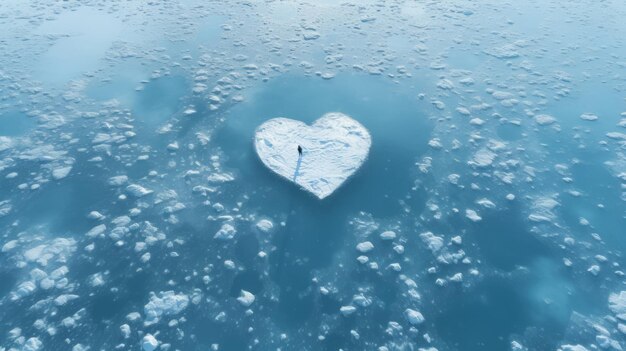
[334, 147]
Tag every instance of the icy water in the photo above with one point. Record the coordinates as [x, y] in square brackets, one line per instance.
[135, 213]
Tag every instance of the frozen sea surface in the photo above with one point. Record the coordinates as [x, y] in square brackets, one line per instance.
[484, 201]
[328, 152]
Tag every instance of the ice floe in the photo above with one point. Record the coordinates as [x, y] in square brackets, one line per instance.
[334, 147]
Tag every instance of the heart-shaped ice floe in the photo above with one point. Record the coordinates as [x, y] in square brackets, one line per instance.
[333, 148]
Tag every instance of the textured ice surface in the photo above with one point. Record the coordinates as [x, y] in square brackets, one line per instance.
[489, 214]
[334, 147]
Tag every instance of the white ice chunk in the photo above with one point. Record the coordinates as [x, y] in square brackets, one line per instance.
[365, 247]
[10, 245]
[33, 344]
[414, 317]
[96, 231]
[264, 225]
[544, 120]
[617, 304]
[589, 117]
[61, 172]
[164, 304]
[59, 249]
[137, 190]
[434, 243]
[334, 147]
[388, 235]
[125, 330]
[226, 232]
[95, 215]
[472, 215]
[483, 158]
[573, 348]
[149, 343]
[347, 310]
[118, 180]
[5, 207]
[246, 298]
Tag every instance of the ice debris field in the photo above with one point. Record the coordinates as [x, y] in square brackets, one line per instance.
[462, 185]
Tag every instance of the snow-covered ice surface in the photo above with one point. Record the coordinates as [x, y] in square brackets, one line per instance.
[136, 214]
[333, 148]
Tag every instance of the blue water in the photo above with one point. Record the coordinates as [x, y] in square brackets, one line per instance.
[170, 95]
[15, 123]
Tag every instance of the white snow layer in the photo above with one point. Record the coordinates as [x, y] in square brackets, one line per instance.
[334, 147]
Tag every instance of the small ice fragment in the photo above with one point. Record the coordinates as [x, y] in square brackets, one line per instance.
[347, 310]
[434, 243]
[486, 203]
[60, 173]
[472, 215]
[5, 207]
[265, 225]
[388, 235]
[310, 35]
[594, 270]
[544, 120]
[229, 264]
[572, 348]
[246, 298]
[10, 245]
[589, 117]
[137, 190]
[32, 344]
[96, 231]
[483, 158]
[118, 180]
[616, 135]
[149, 343]
[125, 329]
[173, 146]
[365, 247]
[414, 317]
[95, 215]
[226, 232]
[617, 304]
